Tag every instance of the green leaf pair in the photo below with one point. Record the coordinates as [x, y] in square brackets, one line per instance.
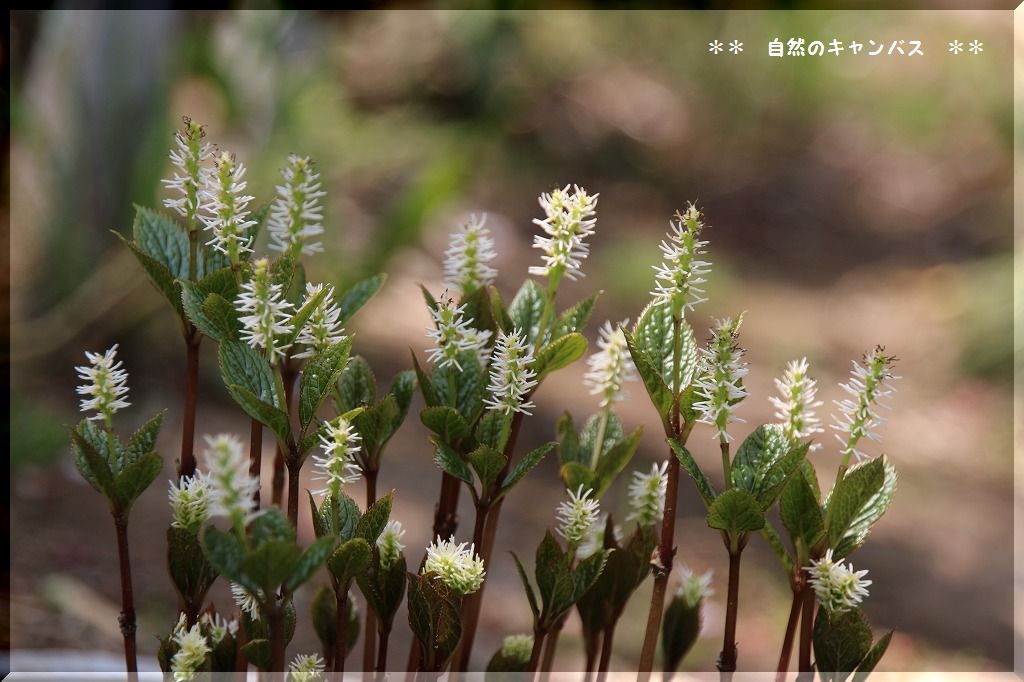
[435, 619]
[843, 645]
[121, 472]
[575, 451]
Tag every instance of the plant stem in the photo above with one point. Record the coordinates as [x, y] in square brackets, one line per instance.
[471, 604]
[727, 659]
[538, 646]
[726, 463]
[446, 518]
[277, 638]
[256, 456]
[592, 646]
[550, 645]
[370, 636]
[187, 460]
[127, 619]
[606, 651]
[293, 493]
[382, 652]
[787, 641]
[806, 630]
[602, 426]
[341, 631]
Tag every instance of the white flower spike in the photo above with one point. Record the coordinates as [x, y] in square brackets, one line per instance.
[306, 668]
[323, 328]
[337, 466]
[389, 544]
[870, 383]
[453, 335]
[296, 215]
[106, 385]
[232, 487]
[225, 205]
[577, 516]
[719, 387]
[511, 376]
[190, 157]
[456, 565]
[568, 221]
[694, 588]
[796, 402]
[190, 502]
[679, 280]
[246, 601]
[470, 250]
[192, 652]
[838, 587]
[264, 312]
[611, 366]
[218, 627]
[647, 495]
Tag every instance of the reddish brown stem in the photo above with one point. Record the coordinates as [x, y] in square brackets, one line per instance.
[277, 639]
[806, 630]
[787, 641]
[256, 457]
[538, 647]
[471, 604]
[341, 632]
[127, 619]
[606, 652]
[187, 460]
[370, 636]
[727, 659]
[550, 647]
[382, 653]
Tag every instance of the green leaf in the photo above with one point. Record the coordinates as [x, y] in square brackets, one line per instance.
[358, 295]
[357, 384]
[615, 460]
[325, 617]
[574, 475]
[426, 384]
[402, 389]
[679, 631]
[575, 318]
[451, 463]
[350, 559]
[434, 618]
[849, 496]
[91, 464]
[494, 429]
[764, 461]
[530, 596]
[259, 653]
[499, 311]
[551, 569]
[525, 466]
[586, 573]
[707, 493]
[135, 478]
[270, 564]
[613, 433]
[383, 588]
[371, 524]
[559, 353]
[800, 509]
[569, 449]
[301, 316]
[470, 385]
[159, 236]
[446, 422]
[488, 464]
[653, 380]
[220, 284]
[190, 572]
[375, 424]
[840, 641]
[310, 560]
[477, 310]
[262, 412]
[872, 510]
[225, 554]
[319, 376]
[735, 512]
[157, 272]
[653, 334]
[348, 517]
[870, 661]
[526, 308]
[272, 524]
[241, 365]
[221, 316]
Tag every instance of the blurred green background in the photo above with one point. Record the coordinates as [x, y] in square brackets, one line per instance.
[852, 201]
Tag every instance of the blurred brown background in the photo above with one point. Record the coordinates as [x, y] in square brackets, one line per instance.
[852, 201]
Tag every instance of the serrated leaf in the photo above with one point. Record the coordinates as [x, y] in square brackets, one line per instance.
[262, 412]
[470, 382]
[840, 641]
[383, 588]
[586, 573]
[872, 510]
[477, 310]
[764, 461]
[530, 596]
[525, 466]
[190, 572]
[800, 509]
[575, 318]
[136, 476]
[272, 524]
[158, 274]
[311, 559]
[615, 460]
[225, 554]
[144, 439]
[499, 311]
[569, 449]
[488, 464]
[319, 377]
[159, 236]
[654, 335]
[402, 389]
[371, 523]
[375, 424]
[220, 283]
[494, 429]
[775, 542]
[689, 464]
[241, 365]
[526, 308]
[613, 433]
[357, 384]
[221, 314]
[551, 566]
[860, 484]
[451, 463]
[270, 564]
[653, 380]
[735, 512]
[434, 619]
[93, 466]
[350, 559]
[301, 316]
[358, 295]
[870, 661]
[559, 353]
[426, 384]
[446, 422]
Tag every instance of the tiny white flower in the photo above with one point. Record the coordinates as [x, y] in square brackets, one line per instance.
[568, 221]
[264, 312]
[106, 384]
[337, 466]
[232, 487]
[611, 366]
[246, 601]
[511, 376]
[517, 647]
[456, 565]
[679, 280]
[218, 627]
[838, 587]
[594, 541]
[577, 516]
[225, 205]
[470, 250]
[323, 327]
[306, 668]
[693, 588]
[453, 335]
[192, 652]
[647, 495]
[870, 384]
[719, 387]
[796, 404]
[190, 157]
[190, 502]
[389, 544]
[296, 215]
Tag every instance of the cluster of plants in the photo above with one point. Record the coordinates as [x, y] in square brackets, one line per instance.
[288, 363]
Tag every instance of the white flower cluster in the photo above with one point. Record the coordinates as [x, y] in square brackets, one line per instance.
[232, 487]
[719, 387]
[190, 502]
[568, 221]
[456, 565]
[837, 586]
[245, 600]
[192, 652]
[452, 335]
[470, 249]
[189, 156]
[306, 668]
[106, 384]
[323, 327]
[225, 204]
[678, 280]
[511, 376]
[296, 215]
[595, 538]
[647, 495]
[611, 366]
[870, 383]
[337, 466]
[693, 588]
[577, 516]
[389, 544]
[263, 312]
[796, 404]
[218, 627]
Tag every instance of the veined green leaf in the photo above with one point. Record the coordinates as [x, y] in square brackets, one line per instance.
[850, 495]
[358, 295]
[654, 382]
[319, 376]
[526, 308]
[869, 513]
[575, 318]
[707, 493]
[451, 463]
[735, 512]
[559, 353]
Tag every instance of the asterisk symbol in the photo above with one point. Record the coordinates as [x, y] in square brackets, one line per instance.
[715, 46]
[956, 47]
[735, 47]
[975, 47]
